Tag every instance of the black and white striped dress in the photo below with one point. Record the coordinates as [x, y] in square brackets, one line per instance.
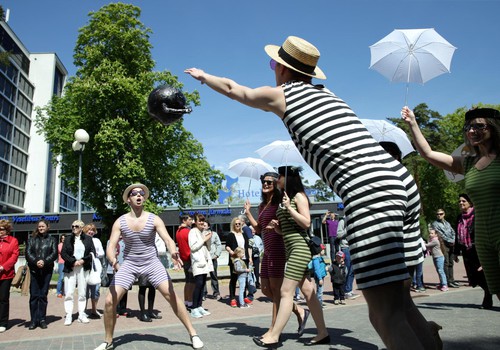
[380, 196]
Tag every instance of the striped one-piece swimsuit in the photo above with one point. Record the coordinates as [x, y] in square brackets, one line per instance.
[140, 256]
[273, 260]
[380, 196]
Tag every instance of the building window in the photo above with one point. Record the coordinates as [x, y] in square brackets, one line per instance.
[23, 122]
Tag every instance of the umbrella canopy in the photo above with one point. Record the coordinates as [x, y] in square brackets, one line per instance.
[412, 55]
[250, 167]
[461, 150]
[382, 130]
[280, 152]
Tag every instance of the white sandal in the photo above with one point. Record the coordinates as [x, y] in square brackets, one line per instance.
[105, 346]
[196, 341]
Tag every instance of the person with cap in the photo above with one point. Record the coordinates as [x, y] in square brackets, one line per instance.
[342, 152]
[448, 235]
[138, 229]
[318, 272]
[482, 170]
[338, 274]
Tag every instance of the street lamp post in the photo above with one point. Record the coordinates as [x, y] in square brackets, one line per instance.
[81, 138]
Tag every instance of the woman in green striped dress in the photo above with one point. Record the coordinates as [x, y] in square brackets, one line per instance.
[293, 222]
[482, 173]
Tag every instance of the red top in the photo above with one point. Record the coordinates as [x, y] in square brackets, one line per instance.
[182, 242]
[9, 251]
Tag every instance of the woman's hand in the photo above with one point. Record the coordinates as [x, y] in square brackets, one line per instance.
[274, 225]
[408, 115]
[247, 206]
[286, 201]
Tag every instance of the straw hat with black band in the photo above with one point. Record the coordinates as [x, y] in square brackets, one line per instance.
[131, 187]
[298, 55]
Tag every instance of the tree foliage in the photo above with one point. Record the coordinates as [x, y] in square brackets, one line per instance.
[107, 97]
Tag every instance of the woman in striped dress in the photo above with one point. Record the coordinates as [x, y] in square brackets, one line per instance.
[274, 259]
[482, 170]
[380, 197]
[293, 222]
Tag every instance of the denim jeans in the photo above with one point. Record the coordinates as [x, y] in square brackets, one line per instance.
[39, 288]
[319, 290]
[60, 280]
[350, 272]
[439, 264]
[242, 282]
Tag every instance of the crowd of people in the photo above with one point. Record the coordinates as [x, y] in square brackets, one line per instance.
[382, 208]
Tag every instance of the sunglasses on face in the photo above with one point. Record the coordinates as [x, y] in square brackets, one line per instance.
[439, 214]
[135, 193]
[475, 126]
[237, 224]
[267, 182]
[272, 64]
[75, 226]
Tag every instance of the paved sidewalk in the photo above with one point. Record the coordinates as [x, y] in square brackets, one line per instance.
[465, 325]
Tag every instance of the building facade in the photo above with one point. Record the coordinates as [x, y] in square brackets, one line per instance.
[29, 183]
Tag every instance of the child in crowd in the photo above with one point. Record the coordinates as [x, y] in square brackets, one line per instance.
[242, 270]
[436, 249]
[338, 272]
[318, 272]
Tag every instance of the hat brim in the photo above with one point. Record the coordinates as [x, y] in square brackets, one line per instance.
[272, 51]
[131, 187]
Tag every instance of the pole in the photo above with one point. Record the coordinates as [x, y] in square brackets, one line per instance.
[80, 185]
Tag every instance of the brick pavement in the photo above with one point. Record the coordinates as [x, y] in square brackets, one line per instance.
[226, 328]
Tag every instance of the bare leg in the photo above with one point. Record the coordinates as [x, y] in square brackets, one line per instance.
[307, 288]
[418, 323]
[387, 312]
[284, 312]
[271, 289]
[167, 290]
[115, 293]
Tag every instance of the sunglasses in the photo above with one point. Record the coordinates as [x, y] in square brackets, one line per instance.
[135, 193]
[439, 214]
[267, 182]
[75, 226]
[272, 64]
[237, 224]
[475, 126]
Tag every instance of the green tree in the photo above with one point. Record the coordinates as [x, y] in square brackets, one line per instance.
[323, 192]
[107, 97]
[4, 56]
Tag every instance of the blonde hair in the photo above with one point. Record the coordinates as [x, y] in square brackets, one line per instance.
[89, 227]
[237, 252]
[78, 222]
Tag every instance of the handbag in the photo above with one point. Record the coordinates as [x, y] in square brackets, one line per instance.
[94, 275]
[20, 276]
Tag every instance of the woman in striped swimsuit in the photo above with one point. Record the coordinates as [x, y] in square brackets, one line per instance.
[380, 197]
[138, 229]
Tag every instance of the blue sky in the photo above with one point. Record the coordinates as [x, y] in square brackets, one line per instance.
[227, 38]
